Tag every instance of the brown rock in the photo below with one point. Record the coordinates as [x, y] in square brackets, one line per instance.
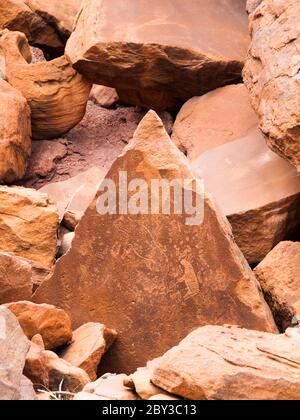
[15, 279]
[146, 56]
[108, 387]
[13, 349]
[36, 364]
[90, 342]
[142, 281]
[28, 224]
[258, 191]
[51, 323]
[47, 24]
[279, 276]
[55, 92]
[15, 129]
[104, 96]
[228, 363]
[272, 74]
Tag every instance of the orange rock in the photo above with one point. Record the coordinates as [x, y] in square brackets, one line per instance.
[228, 363]
[257, 190]
[272, 73]
[104, 96]
[152, 277]
[279, 277]
[35, 367]
[89, 343]
[146, 52]
[55, 92]
[15, 129]
[51, 323]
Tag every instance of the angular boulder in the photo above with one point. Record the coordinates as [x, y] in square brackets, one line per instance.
[36, 363]
[15, 279]
[104, 96]
[55, 92]
[13, 349]
[15, 132]
[89, 343]
[272, 74]
[154, 277]
[146, 52]
[53, 324]
[28, 224]
[228, 363]
[279, 277]
[257, 190]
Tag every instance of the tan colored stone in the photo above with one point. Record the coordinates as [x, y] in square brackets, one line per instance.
[36, 364]
[66, 243]
[89, 343]
[13, 349]
[104, 96]
[272, 73]
[279, 277]
[55, 92]
[133, 275]
[47, 24]
[108, 387]
[257, 190]
[28, 224]
[15, 129]
[146, 52]
[228, 363]
[26, 391]
[51, 323]
[64, 376]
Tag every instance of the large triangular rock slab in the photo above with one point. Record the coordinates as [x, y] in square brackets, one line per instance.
[154, 278]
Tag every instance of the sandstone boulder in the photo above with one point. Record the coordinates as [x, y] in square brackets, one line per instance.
[279, 277]
[15, 279]
[104, 96]
[272, 73]
[51, 323]
[228, 363]
[146, 52]
[28, 224]
[36, 363]
[26, 391]
[47, 24]
[15, 129]
[154, 277]
[89, 343]
[13, 349]
[257, 190]
[55, 92]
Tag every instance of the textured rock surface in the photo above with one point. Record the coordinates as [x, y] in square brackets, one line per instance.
[51, 323]
[55, 92]
[279, 276]
[104, 96]
[227, 363]
[15, 129]
[257, 190]
[36, 363]
[13, 349]
[26, 391]
[15, 279]
[47, 24]
[143, 280]
[28, 224]
[146, 52]
[272, 73]
[89, 343]
[109, 387]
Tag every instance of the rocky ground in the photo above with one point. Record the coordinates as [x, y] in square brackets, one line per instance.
[146, 306]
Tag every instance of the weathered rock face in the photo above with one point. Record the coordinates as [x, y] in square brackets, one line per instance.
[15, 129]
[272, 74]
[13, 349]
[51, 323]
[258, 191]
[36, 363]
[146, 280]
[228, 363]
[146, 52]
[279, 276]
[55, 92]
[47, 24]
[89, 343]
[104, 96]
[15, 279]
[28, 224]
